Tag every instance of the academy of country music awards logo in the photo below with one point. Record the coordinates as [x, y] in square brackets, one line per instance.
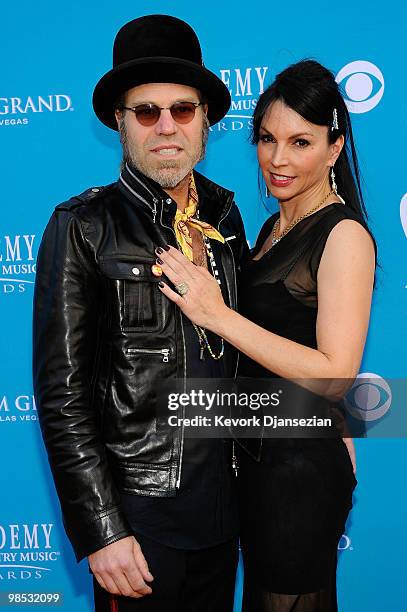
[18, 110]
[27, 551]
[19, 409]
[17, 263]
[245, 86]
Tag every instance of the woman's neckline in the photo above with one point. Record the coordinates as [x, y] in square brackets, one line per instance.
[288, 233]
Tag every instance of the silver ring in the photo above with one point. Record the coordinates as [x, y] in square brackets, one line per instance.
[182, 288]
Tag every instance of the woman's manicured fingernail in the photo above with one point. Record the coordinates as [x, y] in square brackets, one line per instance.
[159, 261]
[167, 247]
[161, 284]
[159, 250]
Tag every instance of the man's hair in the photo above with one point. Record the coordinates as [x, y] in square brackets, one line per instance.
[119, 102]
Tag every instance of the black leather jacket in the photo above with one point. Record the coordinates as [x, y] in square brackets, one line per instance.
[104, 338]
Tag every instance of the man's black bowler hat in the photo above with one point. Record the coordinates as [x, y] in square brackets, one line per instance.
[158, 49]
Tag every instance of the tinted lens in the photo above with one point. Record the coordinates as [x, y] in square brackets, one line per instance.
[147, 114]
[183, 112]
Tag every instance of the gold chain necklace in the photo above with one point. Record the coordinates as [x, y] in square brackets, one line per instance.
[202, 337]
[275, 238]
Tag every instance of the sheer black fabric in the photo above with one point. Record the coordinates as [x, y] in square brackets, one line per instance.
[295, 500]
[295, 259]
[257, 598]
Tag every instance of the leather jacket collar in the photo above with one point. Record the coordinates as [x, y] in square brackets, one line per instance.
[143, 190]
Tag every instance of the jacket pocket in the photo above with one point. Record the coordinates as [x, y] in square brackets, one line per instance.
[141, 304]
[163, 353]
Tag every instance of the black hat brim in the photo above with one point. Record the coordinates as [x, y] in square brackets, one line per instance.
[159, 70]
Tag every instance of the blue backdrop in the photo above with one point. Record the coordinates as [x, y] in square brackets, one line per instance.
[52, 147]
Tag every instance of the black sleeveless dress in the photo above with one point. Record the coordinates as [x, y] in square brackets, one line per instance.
[294, 500]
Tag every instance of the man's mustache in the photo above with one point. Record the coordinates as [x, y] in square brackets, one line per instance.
[158, 143]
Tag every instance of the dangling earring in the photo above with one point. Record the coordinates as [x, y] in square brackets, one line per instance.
[335, 186]
[333, 183]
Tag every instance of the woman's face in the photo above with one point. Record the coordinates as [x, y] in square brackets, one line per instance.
[294, 155]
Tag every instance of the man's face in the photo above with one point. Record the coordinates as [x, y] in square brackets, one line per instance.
[166, 151]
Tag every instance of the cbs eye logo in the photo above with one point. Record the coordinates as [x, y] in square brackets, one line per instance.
[369, 398]
[363, 84]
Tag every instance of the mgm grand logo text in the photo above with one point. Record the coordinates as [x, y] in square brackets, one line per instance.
[17, 263]
[26, 551]
[245, 86]
[21, 409]
[16, 111]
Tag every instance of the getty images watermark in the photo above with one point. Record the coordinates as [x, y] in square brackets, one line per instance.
[219, 401]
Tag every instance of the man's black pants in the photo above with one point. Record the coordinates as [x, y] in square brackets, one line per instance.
[184, 581]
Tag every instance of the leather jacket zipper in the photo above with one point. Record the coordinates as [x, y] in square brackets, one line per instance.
[235, 465]
[154, 209]
[164, 352]
[178, 481]
[155, 200]
[234, 275]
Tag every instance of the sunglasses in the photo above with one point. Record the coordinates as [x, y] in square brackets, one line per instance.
[149, 114]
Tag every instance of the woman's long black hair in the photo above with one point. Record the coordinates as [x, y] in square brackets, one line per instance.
[310, 90]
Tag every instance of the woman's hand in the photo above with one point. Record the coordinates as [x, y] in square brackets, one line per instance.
[203, 302]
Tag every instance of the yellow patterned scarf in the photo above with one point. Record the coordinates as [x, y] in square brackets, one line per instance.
[184, 219]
